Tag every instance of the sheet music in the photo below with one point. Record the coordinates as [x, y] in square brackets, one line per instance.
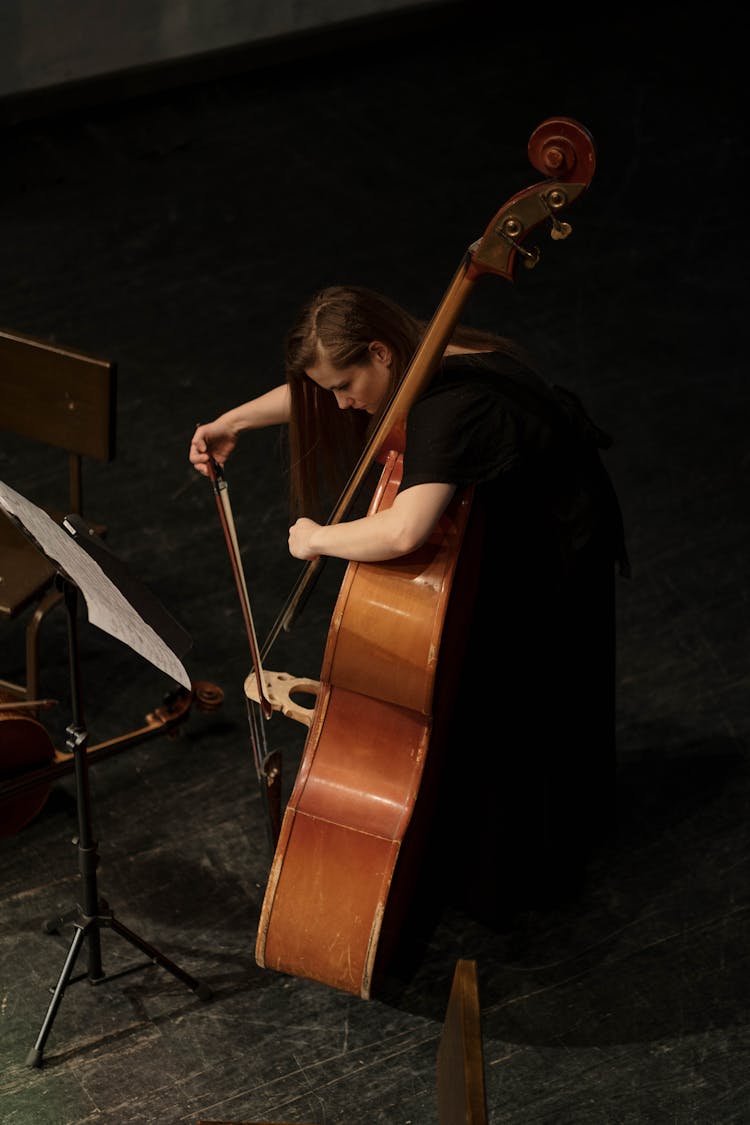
[107, 608]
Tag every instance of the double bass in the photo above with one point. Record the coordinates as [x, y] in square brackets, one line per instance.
[349, 847]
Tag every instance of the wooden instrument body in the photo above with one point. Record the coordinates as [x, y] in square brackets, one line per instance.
[30, 763]
[347, 819]
[24, 745]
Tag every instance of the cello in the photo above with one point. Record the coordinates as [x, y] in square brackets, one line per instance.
[30, 762]
[353, 833]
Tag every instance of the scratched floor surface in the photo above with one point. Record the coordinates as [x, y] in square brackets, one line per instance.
[177, 233]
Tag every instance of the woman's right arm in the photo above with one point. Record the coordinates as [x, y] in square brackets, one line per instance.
[217, 439]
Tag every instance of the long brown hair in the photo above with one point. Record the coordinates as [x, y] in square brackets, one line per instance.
[325, 441]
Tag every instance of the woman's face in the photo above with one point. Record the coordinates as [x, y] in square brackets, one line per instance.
[360, 386]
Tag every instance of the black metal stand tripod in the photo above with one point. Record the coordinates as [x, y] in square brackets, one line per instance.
[92, 913]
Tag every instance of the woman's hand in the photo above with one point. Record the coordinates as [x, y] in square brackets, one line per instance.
[213, 440]
[217, 439]
[300, 535]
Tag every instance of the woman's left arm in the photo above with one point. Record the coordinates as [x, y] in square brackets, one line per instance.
[386, 534]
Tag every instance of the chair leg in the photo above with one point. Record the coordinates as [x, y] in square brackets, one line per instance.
[460, 1060]
[50, 599]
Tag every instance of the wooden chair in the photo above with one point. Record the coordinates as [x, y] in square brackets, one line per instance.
[65, 400]
[460, 1060]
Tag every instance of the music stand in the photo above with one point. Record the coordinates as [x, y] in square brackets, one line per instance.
[121, 606]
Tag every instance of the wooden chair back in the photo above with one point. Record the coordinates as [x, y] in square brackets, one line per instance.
[460, 1060]
[66, 400]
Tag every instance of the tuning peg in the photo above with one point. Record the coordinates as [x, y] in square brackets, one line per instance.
[554, 201]
[560, 230]
[530, 257]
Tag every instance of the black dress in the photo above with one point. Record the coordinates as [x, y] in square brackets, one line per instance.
[529, 769]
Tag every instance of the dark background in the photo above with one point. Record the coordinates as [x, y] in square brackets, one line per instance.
[176, 231]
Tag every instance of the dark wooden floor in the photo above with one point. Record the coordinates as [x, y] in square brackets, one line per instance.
[177, 234]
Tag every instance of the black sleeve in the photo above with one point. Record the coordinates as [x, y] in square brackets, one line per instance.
[461, 433]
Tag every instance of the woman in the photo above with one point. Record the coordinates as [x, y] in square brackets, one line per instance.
[530, 768]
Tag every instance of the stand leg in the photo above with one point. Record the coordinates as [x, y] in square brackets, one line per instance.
[201, 989]
[34, 1057]
[54, 925]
